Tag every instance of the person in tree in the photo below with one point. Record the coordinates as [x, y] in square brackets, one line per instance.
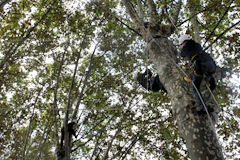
[150, 82]
[203, 65]
[71, 129]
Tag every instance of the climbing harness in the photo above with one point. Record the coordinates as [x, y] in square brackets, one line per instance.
[193, 57]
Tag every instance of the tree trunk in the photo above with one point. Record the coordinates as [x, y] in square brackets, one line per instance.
[197, 131]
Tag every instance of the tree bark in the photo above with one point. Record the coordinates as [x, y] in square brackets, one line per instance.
[197, 131]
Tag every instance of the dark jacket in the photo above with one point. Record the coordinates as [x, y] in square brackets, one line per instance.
[204, 64]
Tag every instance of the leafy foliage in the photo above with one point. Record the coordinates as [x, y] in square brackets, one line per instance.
[41, 44]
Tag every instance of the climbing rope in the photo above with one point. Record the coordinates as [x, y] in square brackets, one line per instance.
[214, 99]
[147, 68]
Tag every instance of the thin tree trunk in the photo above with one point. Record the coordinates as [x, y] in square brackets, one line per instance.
[55, 104]
[29, 132]
[67, 138]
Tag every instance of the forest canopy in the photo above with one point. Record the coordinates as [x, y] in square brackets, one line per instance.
[64, 60]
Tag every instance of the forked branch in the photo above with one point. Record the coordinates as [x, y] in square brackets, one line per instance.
[132, 12]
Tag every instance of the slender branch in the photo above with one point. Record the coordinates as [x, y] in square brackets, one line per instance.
[128, 26]
[219, 36]
[204, 10]
[69, 104]
[167, 14]
[226, 11]
[118, 19]
[161, 16]
[173, 21]
[97, 144]
[95, 126]
[72, 85]
[168, 17]
[26, 140]
[135, 139]
[45, 136]
[98, 138]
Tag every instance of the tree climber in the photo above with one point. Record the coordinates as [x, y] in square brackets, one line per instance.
[71, 131]
[203, 65]
[150, 82]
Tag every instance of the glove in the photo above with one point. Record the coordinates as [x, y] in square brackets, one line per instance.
[187, 79]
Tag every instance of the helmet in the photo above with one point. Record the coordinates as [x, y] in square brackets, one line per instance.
[183, 38]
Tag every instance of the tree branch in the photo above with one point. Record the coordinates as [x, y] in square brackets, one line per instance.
[204, 10]
[110, 144]
[98, 138]
[69, 104]
[96, 145]
[131, 11]
[135, 139]
[128, 26]
[45, 136]
[118, 19]
[173, 21]
[219, 36]
[29, 128]
[218, 22]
